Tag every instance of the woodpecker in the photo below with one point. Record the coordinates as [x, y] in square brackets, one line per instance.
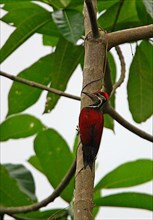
[91, 121]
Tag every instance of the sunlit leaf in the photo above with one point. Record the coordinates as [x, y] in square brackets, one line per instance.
[23, 96]
[128, 174]
[128, 200]
[27, 28]
[19, 126]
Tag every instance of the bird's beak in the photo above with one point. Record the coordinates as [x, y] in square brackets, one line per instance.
[91, 96]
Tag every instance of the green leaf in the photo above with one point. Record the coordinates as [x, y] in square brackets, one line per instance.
[128, 17]
[27, 28]
[109, 122]
[11, 195]
[23, 96]
[50, 40]
[19, 11]
[70, 24]
[105, 4]
[19, 126]
[129, 200]
[144, 9]
[23, 177]
[140, 83]
[97, 194]
[128, 174]
[55, 159]
[16, 1]
[66, 58]
[44, 215]
[34, 161]
[59, 3]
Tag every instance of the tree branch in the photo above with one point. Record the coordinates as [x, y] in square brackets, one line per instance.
[38, 86]
[123, 70]
[129, 35]
[54, 195]
[93, 20]
[58, 92]
[127, 125]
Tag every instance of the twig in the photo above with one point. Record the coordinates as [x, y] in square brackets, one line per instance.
[93, 20]
[127, 125]
[39, 86]
[122, 76]
[129, 35]
[36, 206]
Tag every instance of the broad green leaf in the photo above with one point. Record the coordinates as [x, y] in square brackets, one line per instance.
[34, 161]
[140, 83]
[23, 177]
[11, 195]
[128, 174]
[44, 215]
[127, 18]
[50, 40]
[19, 126]
[66, 58]
[19, 11]
[55, 159]
[145, 13]
[70, 24]
[17, 1]
[97, 194]
[23, 96]
[129, 200]
[59, 3]
[109, 122]
[105, 4]
[26, 29]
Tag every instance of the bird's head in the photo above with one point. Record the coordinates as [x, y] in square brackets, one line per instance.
[98, 98]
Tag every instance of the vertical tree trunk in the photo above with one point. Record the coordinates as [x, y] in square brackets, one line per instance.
[94, 61]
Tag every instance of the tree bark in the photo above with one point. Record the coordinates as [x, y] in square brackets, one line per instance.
[94, 61]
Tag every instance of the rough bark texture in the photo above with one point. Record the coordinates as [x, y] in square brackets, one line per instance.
[95, 51]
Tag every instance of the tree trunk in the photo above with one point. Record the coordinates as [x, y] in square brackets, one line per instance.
[94, 62]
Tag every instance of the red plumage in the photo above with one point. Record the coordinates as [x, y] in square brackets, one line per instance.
[91, 123]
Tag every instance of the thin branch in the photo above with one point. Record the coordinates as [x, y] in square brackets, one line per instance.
[54, 195]
[38, 86]
[127, 125]
[129, 35]
[123, 70]
[93, 20]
